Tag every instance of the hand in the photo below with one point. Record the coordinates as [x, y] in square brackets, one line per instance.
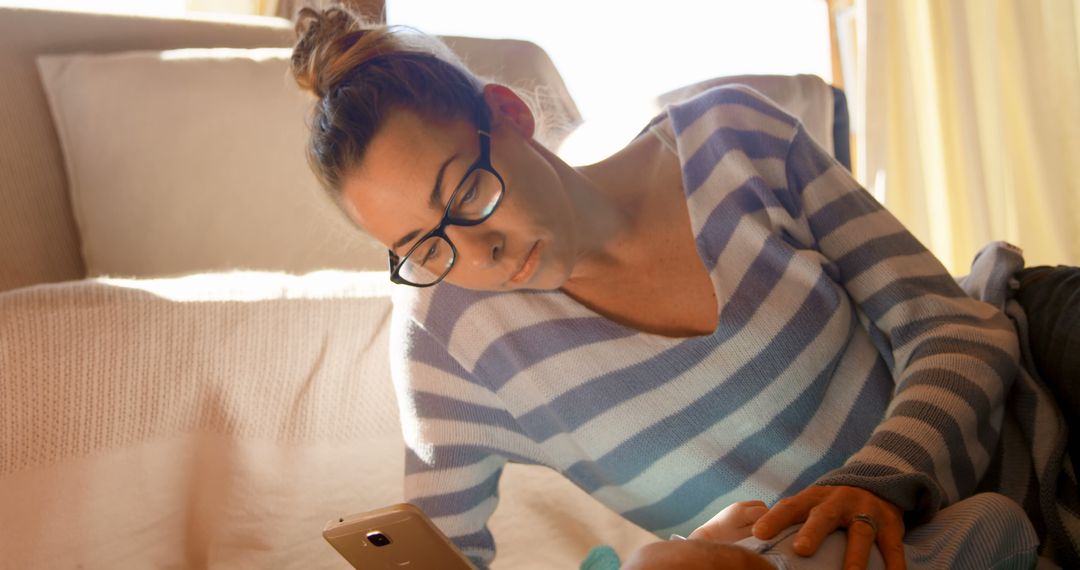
[827, 508]
[694, 555]
[731, 524]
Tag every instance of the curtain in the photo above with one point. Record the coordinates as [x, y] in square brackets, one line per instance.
[972, 117]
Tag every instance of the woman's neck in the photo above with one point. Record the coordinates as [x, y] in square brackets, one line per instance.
[614, 201]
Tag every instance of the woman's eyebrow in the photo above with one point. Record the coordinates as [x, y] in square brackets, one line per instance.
[435, 201]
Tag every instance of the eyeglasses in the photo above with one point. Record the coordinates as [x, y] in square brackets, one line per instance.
[474, 200]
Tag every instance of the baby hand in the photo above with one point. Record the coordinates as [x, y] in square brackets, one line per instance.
[731, 524]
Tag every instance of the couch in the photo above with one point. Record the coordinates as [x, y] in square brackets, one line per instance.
[193, 341]
[167, 406]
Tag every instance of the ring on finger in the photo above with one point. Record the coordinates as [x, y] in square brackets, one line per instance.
[865, 518]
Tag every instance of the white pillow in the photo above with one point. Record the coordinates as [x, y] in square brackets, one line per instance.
[193, 160]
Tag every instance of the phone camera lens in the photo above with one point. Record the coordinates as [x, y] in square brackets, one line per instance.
[378, 539]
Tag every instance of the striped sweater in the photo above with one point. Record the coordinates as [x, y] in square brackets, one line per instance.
[844, 354]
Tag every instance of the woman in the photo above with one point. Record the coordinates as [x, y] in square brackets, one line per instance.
[717, 312]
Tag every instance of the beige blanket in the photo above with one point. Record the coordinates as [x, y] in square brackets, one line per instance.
[218, 421]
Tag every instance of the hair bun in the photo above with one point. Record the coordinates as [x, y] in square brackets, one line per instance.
[361, 71]
[324, 37]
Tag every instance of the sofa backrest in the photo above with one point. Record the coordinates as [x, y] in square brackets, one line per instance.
[39, 237]
[39, 241]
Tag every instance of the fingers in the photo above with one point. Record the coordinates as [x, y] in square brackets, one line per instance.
[823, 520]
[750, 511]
[889, 539]
[786, 512]
[860, 540]
[891, 543]
[824, 509]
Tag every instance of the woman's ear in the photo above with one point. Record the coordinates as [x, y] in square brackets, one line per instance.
[508, 109]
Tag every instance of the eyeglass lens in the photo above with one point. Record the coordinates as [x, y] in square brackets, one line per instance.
[474, 201]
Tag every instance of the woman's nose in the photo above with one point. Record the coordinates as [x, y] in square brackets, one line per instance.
[477, 246]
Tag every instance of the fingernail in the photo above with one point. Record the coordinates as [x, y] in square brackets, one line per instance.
[802, 543]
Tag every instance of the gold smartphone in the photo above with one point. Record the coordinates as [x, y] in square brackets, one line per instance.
[394, 537]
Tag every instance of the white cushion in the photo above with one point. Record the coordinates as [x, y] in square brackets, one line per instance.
[192, 160]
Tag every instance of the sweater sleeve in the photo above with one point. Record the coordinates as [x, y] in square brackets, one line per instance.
[952, 357]
[454, 429]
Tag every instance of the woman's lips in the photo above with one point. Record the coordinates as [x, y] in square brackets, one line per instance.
[528, 266]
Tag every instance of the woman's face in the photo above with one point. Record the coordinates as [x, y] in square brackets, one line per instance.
[411, 168]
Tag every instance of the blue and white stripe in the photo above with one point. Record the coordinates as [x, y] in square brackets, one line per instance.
[844, 354]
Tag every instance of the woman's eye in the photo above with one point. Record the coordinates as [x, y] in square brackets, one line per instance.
[431, 252]
[471, 194]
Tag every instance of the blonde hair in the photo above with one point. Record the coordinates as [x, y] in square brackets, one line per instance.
[359, 72]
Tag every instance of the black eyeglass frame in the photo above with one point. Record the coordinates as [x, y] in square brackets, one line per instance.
[483, 162]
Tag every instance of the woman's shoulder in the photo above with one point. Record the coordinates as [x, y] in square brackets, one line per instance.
[731, 106]
[432, 324]
[737, 96]
[435, 308]
[450, 313]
